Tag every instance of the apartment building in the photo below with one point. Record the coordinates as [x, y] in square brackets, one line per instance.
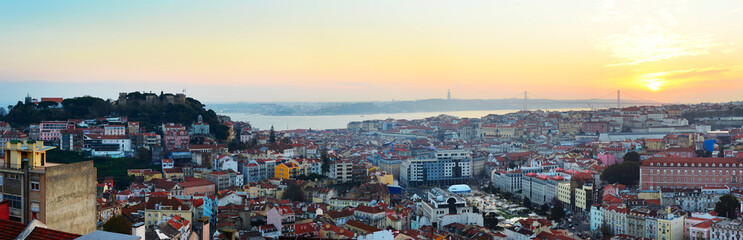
[63, 196]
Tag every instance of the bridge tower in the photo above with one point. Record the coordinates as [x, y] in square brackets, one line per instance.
[619, 103]
[525, 99]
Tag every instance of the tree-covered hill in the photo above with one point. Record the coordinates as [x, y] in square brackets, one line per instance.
[148, 111]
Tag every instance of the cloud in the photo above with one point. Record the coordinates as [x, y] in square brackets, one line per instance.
[691, 73]
[650, 43]
[655, 81]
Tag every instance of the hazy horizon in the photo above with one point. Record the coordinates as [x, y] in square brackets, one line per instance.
[353, 51]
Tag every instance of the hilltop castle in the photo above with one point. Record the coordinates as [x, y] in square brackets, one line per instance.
[150, 99]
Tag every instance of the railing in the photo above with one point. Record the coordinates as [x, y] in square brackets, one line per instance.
[9, 165]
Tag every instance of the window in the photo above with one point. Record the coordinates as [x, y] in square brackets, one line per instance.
[35, 186]
[34, 207]
[14, 201]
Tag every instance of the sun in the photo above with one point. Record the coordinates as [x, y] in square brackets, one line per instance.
[654, 84]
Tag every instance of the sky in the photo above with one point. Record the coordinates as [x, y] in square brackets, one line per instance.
[283, 51]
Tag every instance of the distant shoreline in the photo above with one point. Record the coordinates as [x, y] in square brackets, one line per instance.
[402, 107]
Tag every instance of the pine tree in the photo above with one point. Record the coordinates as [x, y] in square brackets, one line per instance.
[272, 136]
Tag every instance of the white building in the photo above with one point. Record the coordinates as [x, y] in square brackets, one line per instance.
[441, 207]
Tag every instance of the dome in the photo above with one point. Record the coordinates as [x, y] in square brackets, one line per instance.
[461, 188]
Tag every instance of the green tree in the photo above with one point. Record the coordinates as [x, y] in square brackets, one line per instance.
[627, 173]
[721, 152]
[490, 220]
[221, 132]
[271, 136]
[294, 193]
[118, 224]
[606, 231]
[728, 206]
[527, 202]
[48, 104]
[544, 209]
[325, 160]
[631, 156]
[557, 213]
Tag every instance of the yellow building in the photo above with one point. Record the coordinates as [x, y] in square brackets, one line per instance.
[493, 130]
[385, 178]
[563, 193]
[569, 127]
[583, 197]
[649, 194]
[173, 173]
[17, 151]
[251, 190]
[340, 203]
[148, 174]
[670, 227]
[287, 170]
[159, 209]
[654, 145]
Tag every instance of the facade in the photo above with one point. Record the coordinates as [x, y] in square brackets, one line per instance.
[441, 208]
[341, 171]
[726, 230]
[288, 170]
[283, 218]
[51, 130]
[151, 139]
[223, 179]
[132, 128]
[160, 209]
[594, 127]
[114, 130]
[670, 227]
[176, 139]
[260, 169]
[508, 181]
[107, 145]
[63, 196]
[691, 173]
[194, 186]
[596, 218]
[584, 197]
[200, 127]
[449, 167]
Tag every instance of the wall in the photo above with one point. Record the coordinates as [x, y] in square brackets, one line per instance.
[70, 197]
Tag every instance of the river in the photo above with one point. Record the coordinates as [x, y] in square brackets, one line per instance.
[265, 122]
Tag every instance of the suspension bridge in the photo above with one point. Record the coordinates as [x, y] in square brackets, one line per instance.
[534, 101]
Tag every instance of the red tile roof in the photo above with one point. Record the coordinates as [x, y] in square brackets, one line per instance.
[10, 229]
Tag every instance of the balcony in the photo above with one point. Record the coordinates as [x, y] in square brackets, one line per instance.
[10, 165]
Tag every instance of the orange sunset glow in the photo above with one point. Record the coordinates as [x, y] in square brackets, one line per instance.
[667, 51]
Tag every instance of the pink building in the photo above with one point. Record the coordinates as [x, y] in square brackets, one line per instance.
[680, 152]
[606, 159]
[194, 186]
[593, 127]
[685, 173]
[52, 130]
[613, 189]
[115, 130]
[176, 139]
[132, 128]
